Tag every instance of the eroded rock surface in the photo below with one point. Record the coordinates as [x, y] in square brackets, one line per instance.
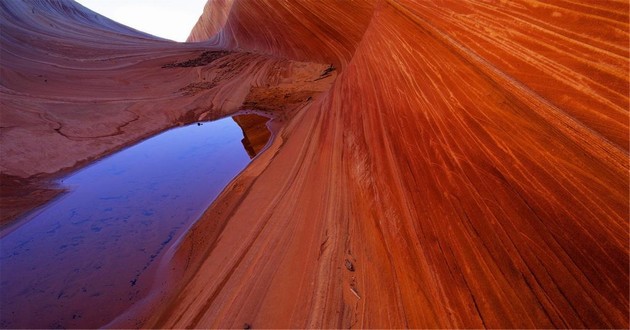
[77, 86]
[467, 168]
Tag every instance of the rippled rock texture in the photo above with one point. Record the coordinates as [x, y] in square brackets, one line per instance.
[76, 86]
[468, 166]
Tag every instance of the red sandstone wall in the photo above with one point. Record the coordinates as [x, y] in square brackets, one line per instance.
[470, 163]
[319, 31]
[468, 168]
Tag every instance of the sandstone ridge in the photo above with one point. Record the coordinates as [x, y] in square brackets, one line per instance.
[464, 165]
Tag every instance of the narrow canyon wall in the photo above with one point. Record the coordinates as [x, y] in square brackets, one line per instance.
[318, 31]
[215, 14]
[468, 166]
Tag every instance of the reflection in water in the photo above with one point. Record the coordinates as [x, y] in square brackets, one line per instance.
[255, 132]
[86, 257]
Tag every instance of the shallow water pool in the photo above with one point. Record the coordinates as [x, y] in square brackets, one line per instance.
[84, 258]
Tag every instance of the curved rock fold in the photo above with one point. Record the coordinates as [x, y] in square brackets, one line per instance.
[451, 164]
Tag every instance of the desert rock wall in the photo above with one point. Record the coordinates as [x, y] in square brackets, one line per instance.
[318, 31]
[76, 86]
[465, 165]
[468, 168]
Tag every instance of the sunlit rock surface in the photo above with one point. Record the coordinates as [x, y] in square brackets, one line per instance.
[322, 31]
[468, 167]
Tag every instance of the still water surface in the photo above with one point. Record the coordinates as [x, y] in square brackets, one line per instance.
[83, 259]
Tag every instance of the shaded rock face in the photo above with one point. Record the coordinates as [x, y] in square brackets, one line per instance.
[468, 166]
[19, 194]
[77, 86]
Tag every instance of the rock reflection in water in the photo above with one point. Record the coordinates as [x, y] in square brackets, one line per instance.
[255, 132]
[83, 259]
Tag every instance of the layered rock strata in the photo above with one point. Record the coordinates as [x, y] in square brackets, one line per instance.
[467, 168]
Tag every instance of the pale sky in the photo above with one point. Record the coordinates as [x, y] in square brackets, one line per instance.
[169, 19]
